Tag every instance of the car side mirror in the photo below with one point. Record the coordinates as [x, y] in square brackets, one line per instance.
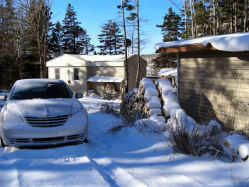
[79, 95]
[3, 98]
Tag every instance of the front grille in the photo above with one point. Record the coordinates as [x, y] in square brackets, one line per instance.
[48, 140]
[73, 137]
[22, 140]
[47, 122]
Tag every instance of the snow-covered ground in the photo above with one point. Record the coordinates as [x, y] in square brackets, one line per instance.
[128, 158]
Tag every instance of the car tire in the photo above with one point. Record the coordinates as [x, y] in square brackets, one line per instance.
[85, 140]
[2, 143]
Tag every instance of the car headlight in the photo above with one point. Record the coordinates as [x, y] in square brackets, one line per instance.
[76, 106]
[11, 120]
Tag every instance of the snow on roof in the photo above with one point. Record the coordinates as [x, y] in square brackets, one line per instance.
[168, 72]
[229, 42]
[104, 79]
[87, 60]
[102, 58]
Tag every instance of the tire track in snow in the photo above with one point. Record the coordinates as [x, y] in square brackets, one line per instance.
[111, 173]
[8, 171]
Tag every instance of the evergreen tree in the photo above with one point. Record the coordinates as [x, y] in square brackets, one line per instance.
[70, 31]
[74, 38]
[87, 47]
[112, 39]
[171, 26]
[55, 42]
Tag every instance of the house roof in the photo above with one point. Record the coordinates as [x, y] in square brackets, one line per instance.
[87, 60]
[104, 79]
[230, 42]
[171, 72]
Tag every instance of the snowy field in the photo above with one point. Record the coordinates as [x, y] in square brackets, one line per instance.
[130, 157]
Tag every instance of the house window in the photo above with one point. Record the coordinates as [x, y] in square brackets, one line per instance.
[57, 73]
[76, 73]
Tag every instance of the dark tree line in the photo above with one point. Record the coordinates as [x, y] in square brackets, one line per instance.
[28, 39]
[202, 18]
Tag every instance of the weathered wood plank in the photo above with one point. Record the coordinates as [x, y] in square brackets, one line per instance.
[213, 80]
[214, 55]
[213, 88]
[216, 108]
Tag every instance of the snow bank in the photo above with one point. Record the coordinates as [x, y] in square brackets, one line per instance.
[229, 42]
[171, 72]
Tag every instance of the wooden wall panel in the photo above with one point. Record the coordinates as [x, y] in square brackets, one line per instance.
[215, 84]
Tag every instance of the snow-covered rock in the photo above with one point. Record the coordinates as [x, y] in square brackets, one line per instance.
[243, 151]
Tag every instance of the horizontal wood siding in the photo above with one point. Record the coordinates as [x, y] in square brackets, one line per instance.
[215, 85]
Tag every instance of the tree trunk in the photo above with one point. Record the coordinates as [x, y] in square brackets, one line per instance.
[246, 16]
[196, 28]
[126, 61]
[185, 12]
[214, 21]
[192, 19]
[218, 17]
[231, 21]
[236, 18]
[138, 47]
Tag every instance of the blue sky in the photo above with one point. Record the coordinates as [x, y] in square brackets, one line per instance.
[94, 13]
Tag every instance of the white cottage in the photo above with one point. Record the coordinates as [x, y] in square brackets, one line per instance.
[91, 72]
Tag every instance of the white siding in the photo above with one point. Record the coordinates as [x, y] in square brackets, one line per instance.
[78, 86]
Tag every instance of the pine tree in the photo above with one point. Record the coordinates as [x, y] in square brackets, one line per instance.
[87, 47]
[70, 31]
[55, 42]
[171, 26]
[112, 39]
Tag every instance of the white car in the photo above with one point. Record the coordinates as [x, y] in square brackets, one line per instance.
[42, 112]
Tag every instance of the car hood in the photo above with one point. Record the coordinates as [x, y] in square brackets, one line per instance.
[42, 107]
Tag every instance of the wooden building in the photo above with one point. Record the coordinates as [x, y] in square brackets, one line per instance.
[91, 72]
[213, 78]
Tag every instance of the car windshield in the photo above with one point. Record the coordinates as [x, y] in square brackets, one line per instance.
[42, 90]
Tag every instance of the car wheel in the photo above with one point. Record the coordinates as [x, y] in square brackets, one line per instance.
[2, 143]
[85, 140]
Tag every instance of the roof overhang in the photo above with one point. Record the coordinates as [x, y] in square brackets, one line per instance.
[105, 79]
[237, 42]
[186, 48]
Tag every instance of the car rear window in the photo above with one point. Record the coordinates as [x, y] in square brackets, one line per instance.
[42, 90]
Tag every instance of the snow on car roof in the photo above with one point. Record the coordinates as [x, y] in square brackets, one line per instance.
[168, 72]
[229, 42]
[104, 79]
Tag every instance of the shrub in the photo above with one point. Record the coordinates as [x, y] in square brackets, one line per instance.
[192, 139]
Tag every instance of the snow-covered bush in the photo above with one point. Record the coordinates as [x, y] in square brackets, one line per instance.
[187, 137]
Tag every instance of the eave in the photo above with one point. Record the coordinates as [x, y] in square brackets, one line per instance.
[186, 48]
